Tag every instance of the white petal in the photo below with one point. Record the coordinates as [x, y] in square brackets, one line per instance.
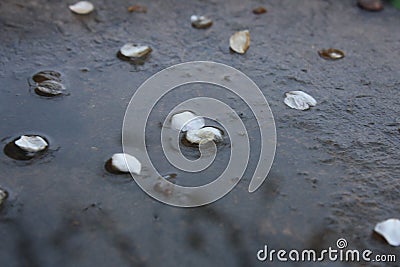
[390, 230]
[31, 143]
[200, 22]
[186, 121]
[240, 41]
[194, 18]
[133, 50]
[3, 196]
[82, 7]
[299, 100]
[204, 135]
[121, 161]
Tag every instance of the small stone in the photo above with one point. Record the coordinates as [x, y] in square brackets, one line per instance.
[299, 100]
[134, 51]
[121, 161]
[32, 143]
[186, 121]
[3, 196]
[370, 5]
[331, 53]
[137, 8]
[259, 10]
[390, 230]
[204, 135]
[240, 41]
[82, 7]
[201, 22]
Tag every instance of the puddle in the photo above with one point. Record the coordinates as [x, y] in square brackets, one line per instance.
[334, 174]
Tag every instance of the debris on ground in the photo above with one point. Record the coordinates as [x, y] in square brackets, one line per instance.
[331, 54]
[186, 121]
[82, 7]
[49, 88]
[48, 83]
[31, 143]
[200, 22]
[370, 5]
[137, 8]
[299, 100]
[46, 75]
[3, 196]
[240, 41]
[259, 10]
[390, 230]
[119, 162]
[134, 50]
[204, 135]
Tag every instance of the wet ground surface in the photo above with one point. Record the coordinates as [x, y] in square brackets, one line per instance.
[335, 173]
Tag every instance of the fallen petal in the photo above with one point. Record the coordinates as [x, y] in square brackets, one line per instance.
[204, 135]
[186, 121]
[259, 10]
[331, 53]
[3, 196]
[370, 5]
[82, 7]
[137, 8]
[240, 41]
[390, 230]
[134, 50]
[200, 22]
[299, 100]
[46, 75]
[49, 88]
[121, 161]
[32, 143]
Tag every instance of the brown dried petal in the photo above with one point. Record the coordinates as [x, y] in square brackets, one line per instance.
[259, 10]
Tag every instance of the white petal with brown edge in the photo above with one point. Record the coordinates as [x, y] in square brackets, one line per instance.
[240, 41]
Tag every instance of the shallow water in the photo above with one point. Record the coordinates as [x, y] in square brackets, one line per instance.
[335, 172]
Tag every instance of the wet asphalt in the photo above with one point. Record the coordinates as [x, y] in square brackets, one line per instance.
[335, 173]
